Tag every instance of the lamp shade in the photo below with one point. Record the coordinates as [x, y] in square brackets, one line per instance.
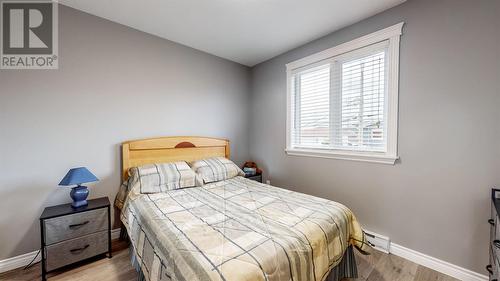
[78, 176]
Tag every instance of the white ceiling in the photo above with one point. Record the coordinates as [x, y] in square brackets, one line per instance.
[244, 31]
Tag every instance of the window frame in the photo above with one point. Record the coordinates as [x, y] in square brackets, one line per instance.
[392, 35]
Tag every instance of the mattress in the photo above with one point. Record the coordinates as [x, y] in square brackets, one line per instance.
[237, 229]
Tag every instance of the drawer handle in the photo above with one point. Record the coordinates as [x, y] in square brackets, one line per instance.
[491, 221]
[79, 249]
[78, 224]
[488, 267]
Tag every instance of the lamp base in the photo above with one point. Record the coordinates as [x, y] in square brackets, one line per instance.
[79, 195]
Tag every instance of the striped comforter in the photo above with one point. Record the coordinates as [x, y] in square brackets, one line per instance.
[237, 229]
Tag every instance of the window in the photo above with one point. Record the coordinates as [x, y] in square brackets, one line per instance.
[342, 102]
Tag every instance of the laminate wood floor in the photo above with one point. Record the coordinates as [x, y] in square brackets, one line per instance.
[376, 267]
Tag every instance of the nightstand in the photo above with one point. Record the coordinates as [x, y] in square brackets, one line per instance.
[255, 178]
[71, 235]
[494, 221]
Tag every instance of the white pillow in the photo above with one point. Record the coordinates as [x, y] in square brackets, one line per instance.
[154, 178]
[216, 169]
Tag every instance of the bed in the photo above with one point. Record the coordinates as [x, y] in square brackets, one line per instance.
[234, 229]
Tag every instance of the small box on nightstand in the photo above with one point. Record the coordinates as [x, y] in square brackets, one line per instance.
[255, 177]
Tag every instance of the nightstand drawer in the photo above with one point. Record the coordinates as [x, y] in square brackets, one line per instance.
[75, 225]
[67, 252]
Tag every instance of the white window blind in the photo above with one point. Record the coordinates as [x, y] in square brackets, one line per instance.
[312, 113]
[362, 108]
[344, 104]
[340, 103]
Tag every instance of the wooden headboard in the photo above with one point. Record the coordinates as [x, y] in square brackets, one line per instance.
[168, 149]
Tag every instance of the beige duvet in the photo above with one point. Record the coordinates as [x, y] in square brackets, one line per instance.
[237, 229]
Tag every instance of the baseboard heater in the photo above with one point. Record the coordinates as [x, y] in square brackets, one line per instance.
[379, 242]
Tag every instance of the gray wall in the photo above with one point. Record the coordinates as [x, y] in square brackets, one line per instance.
[436, 198]
[113, 84]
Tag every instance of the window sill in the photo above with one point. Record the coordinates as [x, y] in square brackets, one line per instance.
[344, 155]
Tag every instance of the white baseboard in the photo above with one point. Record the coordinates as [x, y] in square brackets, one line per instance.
[23, 260]
[19, 261]
[436, 264]
[115, 234]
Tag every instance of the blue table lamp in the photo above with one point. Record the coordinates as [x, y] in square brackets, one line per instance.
[79, 193]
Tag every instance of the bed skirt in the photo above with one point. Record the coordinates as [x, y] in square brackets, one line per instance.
[347, 267]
